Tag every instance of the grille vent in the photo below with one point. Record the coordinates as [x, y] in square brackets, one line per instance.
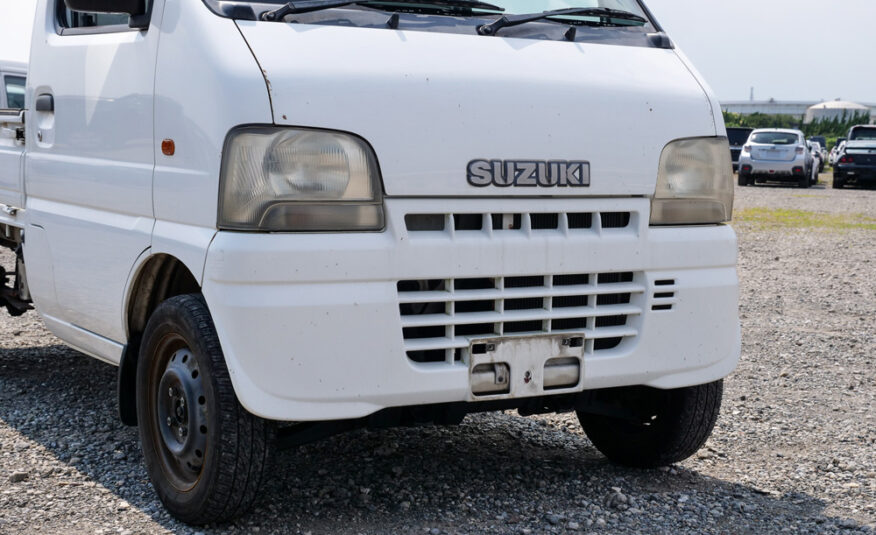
[521, 222]
[440, 316]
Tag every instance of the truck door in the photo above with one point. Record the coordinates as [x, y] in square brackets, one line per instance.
[90, 159]
[11, 143]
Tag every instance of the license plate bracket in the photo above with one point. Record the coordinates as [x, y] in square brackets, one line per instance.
[525, 366]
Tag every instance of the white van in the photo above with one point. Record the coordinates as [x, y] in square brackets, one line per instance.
[281, 221]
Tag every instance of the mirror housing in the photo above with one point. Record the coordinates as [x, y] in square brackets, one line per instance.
[128, 7]
[135, 9]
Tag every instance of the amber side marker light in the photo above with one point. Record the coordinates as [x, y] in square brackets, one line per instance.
[168, 147]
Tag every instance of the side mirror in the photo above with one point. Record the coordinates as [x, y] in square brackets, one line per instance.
[136, 9]
[128, 7]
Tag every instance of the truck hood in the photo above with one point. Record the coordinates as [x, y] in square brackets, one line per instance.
[429, 103]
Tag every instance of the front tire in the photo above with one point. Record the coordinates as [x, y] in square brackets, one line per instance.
[205, 454]
[669, 426]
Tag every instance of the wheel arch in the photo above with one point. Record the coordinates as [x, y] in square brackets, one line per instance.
[158, 278]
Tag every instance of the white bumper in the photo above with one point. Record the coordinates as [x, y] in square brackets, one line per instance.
[312, 330]
[772, 167]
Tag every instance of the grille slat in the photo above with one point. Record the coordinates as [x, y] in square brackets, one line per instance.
[460, 342]
[442, 315]
[424, 320]
[518, 293]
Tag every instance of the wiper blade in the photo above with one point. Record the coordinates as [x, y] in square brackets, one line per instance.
[464, 4]
[303, 6]
[515, 20]
[307, 6]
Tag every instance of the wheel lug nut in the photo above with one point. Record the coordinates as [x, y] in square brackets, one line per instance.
[170, 391]
[169, 421]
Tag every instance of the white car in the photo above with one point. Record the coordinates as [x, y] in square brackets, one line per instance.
[282, 221]
[774, 154]
[818, 153]
[837, 151]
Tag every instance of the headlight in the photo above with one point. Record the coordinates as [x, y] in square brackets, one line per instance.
[295, 179]
[694, 183]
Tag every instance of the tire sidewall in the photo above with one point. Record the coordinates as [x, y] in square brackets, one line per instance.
[170, 318]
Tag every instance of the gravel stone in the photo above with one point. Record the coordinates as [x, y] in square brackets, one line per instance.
[793, 451]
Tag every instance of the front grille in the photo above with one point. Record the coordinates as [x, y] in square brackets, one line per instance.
[520, 222]
[440, 316]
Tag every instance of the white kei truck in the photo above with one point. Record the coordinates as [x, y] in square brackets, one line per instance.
[283, 221]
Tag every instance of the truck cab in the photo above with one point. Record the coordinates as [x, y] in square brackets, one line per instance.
[12, 90]
[13, 76]
[285, 220]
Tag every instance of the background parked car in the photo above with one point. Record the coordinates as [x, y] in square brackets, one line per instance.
[819, 153]
[836, 151]
[822, 143]
[777, 155]
[737, 137]
[857, 160]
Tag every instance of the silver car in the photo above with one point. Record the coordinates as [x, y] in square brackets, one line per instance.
[774, 154]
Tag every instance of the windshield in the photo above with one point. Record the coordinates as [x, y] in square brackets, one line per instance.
[738, 136]
[775, 138]
[529, 6]
[15, 92]
[863, 133]
[514, 7]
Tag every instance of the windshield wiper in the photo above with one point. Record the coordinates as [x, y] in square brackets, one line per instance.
[515, 20]
[307, 6]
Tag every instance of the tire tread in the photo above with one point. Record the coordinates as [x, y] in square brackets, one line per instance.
[246, 441]
[690, 419]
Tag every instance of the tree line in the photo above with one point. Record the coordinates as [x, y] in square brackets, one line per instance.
[831, 129]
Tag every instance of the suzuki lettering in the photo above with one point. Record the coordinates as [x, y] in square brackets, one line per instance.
[529, 174]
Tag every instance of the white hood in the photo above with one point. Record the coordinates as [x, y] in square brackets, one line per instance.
[429, 103]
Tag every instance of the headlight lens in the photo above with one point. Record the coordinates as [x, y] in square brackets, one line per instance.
[294, 179]
[694, 183]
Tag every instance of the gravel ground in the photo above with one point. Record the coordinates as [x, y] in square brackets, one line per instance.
[794, 449]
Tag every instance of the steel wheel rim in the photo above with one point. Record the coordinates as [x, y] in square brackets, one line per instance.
[178, 412]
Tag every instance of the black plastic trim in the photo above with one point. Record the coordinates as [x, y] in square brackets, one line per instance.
[136, 23]
[45, 102]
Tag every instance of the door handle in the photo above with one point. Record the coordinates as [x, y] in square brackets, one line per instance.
[45, 102]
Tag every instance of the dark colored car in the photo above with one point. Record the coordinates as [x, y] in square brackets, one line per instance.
[737, 138]
[857, 162]
[821, 141]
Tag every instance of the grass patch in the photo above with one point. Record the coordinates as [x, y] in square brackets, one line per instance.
[767, 218]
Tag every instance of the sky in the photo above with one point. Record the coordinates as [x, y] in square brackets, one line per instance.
[16, 23]
[785, 49]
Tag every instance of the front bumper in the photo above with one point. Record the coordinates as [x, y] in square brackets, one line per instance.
[312, 328]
